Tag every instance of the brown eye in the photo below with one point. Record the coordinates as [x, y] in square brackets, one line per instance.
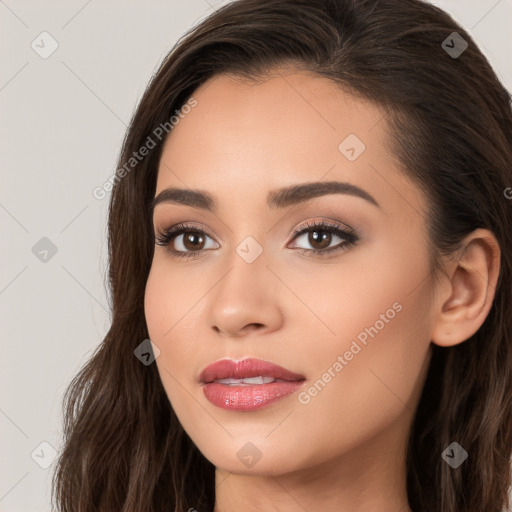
[319, 239]
[320, 236]
[193, 240]
[185, 241]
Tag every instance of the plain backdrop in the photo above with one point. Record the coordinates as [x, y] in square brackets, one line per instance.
[63, 118]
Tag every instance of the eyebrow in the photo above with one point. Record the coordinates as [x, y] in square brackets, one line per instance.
[280, 198]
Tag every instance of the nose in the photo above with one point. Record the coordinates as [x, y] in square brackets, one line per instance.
[246, 299]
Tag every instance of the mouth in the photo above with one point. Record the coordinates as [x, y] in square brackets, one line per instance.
[250, 371]
[247, 385]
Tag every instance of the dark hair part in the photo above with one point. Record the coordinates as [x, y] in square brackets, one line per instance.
[450, 126]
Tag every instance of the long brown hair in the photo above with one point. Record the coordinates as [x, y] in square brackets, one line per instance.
[450, 125]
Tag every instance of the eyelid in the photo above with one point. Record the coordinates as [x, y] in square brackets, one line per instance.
[349, 236]
[178, 229]
[311, 222]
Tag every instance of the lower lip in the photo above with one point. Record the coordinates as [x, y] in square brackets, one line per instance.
[248, 398]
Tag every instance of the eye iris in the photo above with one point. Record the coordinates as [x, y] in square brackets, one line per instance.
[316, 238]
[191, 238]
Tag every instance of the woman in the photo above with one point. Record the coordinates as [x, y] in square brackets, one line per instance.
[311, 223]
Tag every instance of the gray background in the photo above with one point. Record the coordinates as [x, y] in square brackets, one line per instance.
[62, 123]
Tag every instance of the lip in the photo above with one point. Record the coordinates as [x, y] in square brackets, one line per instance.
[246, 368]
[247, 397]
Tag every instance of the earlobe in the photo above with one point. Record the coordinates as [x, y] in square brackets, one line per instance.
[466, 301]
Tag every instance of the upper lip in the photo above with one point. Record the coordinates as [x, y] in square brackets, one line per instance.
[245, 368]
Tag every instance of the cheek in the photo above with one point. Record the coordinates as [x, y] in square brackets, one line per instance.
[171, 298]
[162, 312]
[155, 300]
[371, 369]
[374, 312]
[172, 305]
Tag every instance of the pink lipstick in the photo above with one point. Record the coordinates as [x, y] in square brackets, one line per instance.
[247, 385]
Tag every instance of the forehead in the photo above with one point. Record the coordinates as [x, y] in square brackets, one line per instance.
[285, 128]
[277, 114]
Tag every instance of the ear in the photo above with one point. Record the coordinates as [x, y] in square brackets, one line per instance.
[464, 300]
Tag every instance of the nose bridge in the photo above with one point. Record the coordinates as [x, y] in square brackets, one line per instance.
[248, 277]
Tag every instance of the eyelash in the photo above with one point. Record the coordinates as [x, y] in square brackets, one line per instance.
[349, 235]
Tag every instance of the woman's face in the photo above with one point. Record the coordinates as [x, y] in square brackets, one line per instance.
[351, 318]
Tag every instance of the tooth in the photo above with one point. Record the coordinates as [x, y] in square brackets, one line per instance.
[253, 380]
[249, 380]
[258, 380]
[229, 381]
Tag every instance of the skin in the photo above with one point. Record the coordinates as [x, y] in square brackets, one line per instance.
[344, 450]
